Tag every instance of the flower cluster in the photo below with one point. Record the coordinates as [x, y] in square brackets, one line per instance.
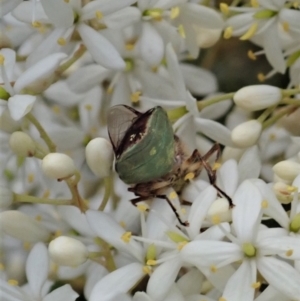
[126, 174]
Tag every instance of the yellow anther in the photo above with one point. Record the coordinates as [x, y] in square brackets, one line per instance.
[126, 237]
[250, 32]
[181, 31]
[222, 299]
[213, 268]
[122, 224]
[289, 253]
[216, 219]
[109, 90]
[286, 26]
[142, 207]
[183, 210]
[264, 204]
[256, 285]
[296, 4]
[176, 237]
[2, 59]
[57, 233]
[189, 176]
[173, 195]
[261, 77]
[251, 55]
[291, 188]
[216, 166]
[46, 194]
[36, 24]
[129, 46]
[135, 97]
[13, 282]
[1, 266]
[67, 1]
[88, 107]
[228, 33]
[151, 262]
[181, 245]
[99, 15]
[272, 137]
[56, 109]
[26, 246]
[38, 217]
[147, 270]
[175, 11]
[224, 8]
[254, 3]
[61, 41]
[30, 178]
[154, 69]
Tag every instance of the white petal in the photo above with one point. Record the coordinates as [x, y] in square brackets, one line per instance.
[163, 278]
[228, 177]
[7, 6]
[49, 45]
[117, 282]
[122, 18]
[37, 268]
[85, 78]
[217, 110]
[151, 45]
[271, 294]
[9, 63]
[24, 12]
[199, 210]
[63, 293]
[190, 282]
[199, 81]
[104, 6]
[9, 292]
[214, 131]
[174, 294]
[280, 275]
[102, 51]
[213, 232]
[175, 72]
[59, 12]
[239, 286]
[246, 212]
[210, 253]
[273, 49]
[109, 230]
[39, 72]
[249, 164]
[20, 105]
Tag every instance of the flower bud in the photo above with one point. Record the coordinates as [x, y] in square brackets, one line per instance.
[246, 134]
[283, 192]
[58, 166]
[68, 251]
[99, 156]
[6, 196]
[287, 170]
[219, 209]
[22, 144]
[23, 227]
[257, 97]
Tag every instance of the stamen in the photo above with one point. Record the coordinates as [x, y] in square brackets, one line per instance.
[26, 246]
[228, 33]
[147, 270]
[99, 15]
[2, 59]
[286, 26]
[289, 253]
[61, 41]
[213, 268]
[264, 204]
[142, 207]
[251, 55]
[189, 176]
[151, 262]
[250, 32]
[13, 282]
[122, 224]
[36, 24]
[135, 97]
[126, 237]
[254, 3]
[175, 11]
[261, 77]
[256, 285]
[224, 8]
[181, 31]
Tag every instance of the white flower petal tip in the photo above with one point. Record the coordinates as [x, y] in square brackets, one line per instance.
[287, 170]
[38, 77]
[68, 251]
[23, 227]
[99, 156]
[101, 50]
[257, 97]
[22, 144]
[6, 196]
[219, 211]
[20, 105]
[246, 134]
[58, 166]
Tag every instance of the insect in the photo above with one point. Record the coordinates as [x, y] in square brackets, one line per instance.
[150, 157]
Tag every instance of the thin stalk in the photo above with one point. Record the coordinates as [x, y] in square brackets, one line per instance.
[23, 198]
[108, 185]
[208, 102]
[283, 112]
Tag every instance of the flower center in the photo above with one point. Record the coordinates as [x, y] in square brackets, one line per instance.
[248, 249]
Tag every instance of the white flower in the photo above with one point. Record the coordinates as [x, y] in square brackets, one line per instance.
[37, 269]
[22, 144]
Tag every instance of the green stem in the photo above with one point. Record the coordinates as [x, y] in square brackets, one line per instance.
[283, 112]
[291, 101]
[109, 259]
[108, 185]
[208, 102]
[290, 92]
[266, 114]
[175, 114]
[77, 55]
[43, 133]
[76, 197]
[23, 198]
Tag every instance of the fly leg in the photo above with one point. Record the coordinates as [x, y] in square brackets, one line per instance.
[185, 224]
[211, 172]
